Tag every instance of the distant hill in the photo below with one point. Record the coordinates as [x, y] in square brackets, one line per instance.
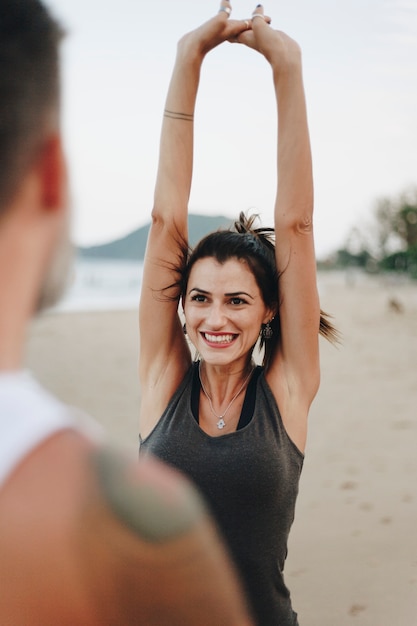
[132, 246]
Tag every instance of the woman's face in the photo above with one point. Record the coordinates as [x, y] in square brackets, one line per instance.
[224, 310]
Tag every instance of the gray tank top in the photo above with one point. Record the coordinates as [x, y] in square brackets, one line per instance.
[250, 481]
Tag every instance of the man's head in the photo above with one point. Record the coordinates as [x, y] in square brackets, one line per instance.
[29, 87]
[29, 130]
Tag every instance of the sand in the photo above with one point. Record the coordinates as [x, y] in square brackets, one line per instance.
[353, 548]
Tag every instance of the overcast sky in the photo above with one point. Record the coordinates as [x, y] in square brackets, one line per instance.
[360, 72]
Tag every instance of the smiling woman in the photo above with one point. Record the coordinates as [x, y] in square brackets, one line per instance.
[253, 253]
[224, 309]
[237, 430]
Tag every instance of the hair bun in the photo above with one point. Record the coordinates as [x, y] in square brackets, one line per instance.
[245, 224]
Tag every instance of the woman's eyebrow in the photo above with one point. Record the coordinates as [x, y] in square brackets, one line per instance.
[235, 294]
[231, 294]
[198, 290]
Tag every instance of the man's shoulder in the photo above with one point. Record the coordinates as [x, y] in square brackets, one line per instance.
[29, 415]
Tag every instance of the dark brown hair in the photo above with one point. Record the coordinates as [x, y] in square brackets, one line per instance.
[29, 87]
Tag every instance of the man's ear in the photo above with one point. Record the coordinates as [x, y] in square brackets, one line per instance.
[53, 174]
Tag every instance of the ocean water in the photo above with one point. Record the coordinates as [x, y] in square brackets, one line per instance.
[103, 285]
[115, 285]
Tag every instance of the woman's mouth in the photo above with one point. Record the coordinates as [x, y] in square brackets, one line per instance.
[219, 339]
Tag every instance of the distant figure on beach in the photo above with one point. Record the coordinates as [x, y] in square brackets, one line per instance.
[87, 537]
[237, 429]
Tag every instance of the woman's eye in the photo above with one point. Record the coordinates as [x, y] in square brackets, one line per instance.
[237, 301]
[198, 298]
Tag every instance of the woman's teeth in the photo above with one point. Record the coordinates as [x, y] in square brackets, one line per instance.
[218, 338]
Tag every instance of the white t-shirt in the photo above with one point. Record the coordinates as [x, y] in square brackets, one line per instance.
[28, 416]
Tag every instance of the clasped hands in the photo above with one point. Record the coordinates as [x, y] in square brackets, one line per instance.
[255, 32]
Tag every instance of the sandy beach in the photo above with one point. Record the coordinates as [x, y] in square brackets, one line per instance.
[353, 549]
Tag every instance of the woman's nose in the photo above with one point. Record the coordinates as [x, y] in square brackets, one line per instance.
[216, 316]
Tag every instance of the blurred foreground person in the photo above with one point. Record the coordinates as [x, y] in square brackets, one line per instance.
[86, 536]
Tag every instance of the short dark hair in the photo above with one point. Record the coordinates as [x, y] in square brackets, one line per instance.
[29, 87]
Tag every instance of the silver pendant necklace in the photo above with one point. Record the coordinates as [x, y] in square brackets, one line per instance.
[221, 423]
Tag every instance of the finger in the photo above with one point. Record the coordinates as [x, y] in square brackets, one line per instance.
[225, 9]
[239, 38]
[241, 27]
[259, 16]
[236, 28]
[246, 38]
[258, 11]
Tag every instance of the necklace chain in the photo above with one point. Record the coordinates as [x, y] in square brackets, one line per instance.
[221, 423]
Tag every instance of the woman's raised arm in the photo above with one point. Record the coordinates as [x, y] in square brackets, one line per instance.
[164, 354]
[294, 368]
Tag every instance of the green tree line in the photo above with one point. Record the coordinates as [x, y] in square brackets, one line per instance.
[388, 242]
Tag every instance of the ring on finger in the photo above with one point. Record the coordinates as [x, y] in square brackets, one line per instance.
[258, 15]
[246, 24]
[227, 10]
